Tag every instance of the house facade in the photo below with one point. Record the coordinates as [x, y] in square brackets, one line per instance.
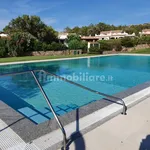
[114, 34]
[91, 40]
[145, 32]
[62, 36]
[2, 34]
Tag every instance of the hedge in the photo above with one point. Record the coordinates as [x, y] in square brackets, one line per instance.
[109, 45]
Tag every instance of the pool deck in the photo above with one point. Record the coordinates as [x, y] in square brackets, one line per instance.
[130, 132]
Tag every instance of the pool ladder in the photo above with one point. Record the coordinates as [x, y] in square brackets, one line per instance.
[65, 142]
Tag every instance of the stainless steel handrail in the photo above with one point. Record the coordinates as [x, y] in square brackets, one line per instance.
[48, 102]
[53, 111]
[91, 90]
[79, 85]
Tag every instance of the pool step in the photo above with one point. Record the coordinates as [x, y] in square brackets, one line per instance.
[41, 115]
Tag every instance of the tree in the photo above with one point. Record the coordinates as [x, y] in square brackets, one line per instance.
[127, 42]
[73, 37]
[74, 44]
[32, 25]
[93, 29]
[3, 47]
[84, 31]
[19, 43]
[68, 30]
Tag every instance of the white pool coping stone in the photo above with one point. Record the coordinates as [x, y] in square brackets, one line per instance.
[54, 138]
[58, 59]
[49, 60]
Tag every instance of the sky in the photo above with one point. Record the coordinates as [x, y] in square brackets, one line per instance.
[62, 13]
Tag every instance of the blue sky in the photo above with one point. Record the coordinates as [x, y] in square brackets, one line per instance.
[62, 13]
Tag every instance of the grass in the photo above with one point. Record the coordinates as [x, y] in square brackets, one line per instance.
[30, 58]
[141, 51]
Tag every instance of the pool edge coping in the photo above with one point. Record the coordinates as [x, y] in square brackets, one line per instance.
[49, 60]
[72, 58]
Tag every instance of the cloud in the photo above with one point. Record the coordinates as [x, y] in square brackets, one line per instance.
[30, 7]
[5, 17]
[49, 21]
[3, 23]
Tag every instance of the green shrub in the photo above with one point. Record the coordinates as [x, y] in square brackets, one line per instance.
[73, 37]
[37, 45]
[127, 42]
[63, 47]
[95, 50]
[136, 40]
[144, 40]
[116, 44]
[3, 47]
[74, 44]
[57, 46]
[109, 45]
[83, 46]
[105, 45]
[20, 43]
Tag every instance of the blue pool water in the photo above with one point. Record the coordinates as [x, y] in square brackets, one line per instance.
[115, 74]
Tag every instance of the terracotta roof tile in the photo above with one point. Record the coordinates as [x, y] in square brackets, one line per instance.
[111, 31]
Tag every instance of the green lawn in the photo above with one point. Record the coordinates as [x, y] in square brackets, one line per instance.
[142, 51]
[28, 58]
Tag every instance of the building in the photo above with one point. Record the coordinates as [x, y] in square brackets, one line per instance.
[92, 41]
[114, 34]
[145, 32]
[2, 34]
[62, 36]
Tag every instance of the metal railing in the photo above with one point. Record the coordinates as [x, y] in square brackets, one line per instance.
[53, 111]
[71, 82]
[91, 90]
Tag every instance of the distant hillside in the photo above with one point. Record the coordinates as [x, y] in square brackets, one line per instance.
[97, 28]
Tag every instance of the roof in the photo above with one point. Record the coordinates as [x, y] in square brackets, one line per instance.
[1, 32]
[146, 30]
[111, 31]
[90, 37]
[3, 35]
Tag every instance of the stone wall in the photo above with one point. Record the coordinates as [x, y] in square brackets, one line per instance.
[141, 46]
[110, 52]
[54, 53]
[124, 49]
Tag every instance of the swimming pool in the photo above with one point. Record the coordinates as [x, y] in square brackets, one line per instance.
[110, 75]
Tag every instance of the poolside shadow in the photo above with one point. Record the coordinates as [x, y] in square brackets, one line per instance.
[79, 144]
[145, 144]
[12, 124]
